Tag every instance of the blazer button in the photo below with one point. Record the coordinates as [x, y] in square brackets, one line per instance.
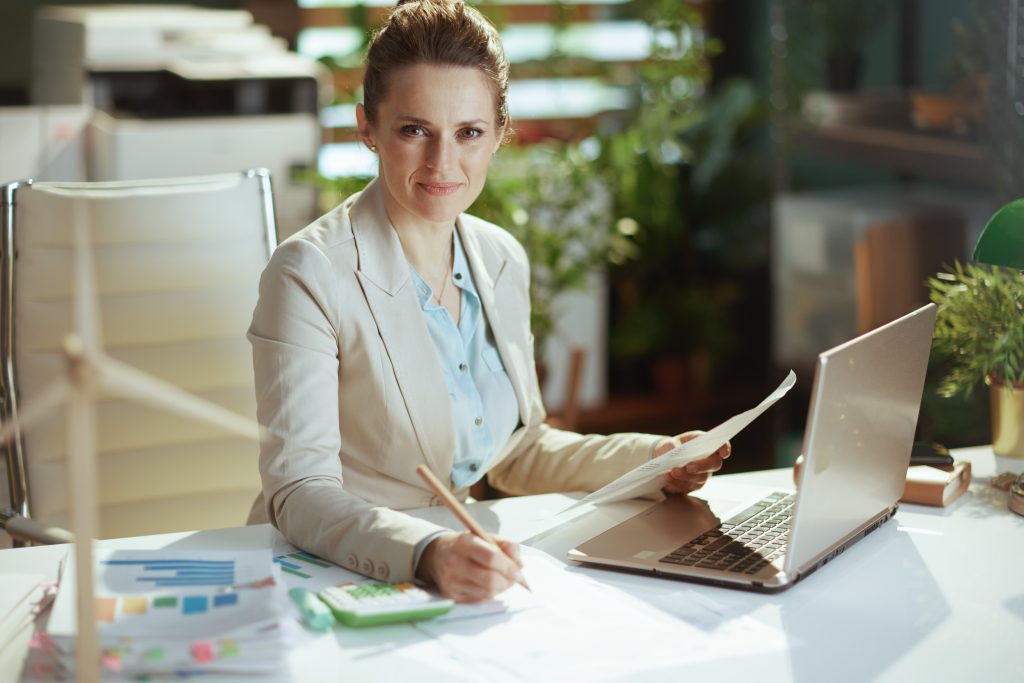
[368, 567]
[352, 561]
[383, 571]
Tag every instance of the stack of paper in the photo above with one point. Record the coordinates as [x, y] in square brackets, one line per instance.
[172, 611]
[18, 601]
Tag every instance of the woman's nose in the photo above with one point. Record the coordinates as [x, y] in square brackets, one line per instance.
[439, 153]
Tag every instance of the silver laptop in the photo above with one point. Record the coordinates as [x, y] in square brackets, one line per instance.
[860, 429]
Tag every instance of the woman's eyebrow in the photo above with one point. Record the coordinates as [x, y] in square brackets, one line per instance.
[423, 122]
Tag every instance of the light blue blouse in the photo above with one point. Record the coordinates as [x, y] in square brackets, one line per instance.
[484, 408]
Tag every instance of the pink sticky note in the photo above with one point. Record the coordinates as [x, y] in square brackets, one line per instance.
[202, 652]
[110, 661]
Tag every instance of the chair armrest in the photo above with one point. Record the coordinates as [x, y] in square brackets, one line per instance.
[32, 531]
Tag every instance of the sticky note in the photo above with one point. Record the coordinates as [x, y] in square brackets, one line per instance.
[105, 609]
[155, 654]
[202, 652]
[110, 661]
[193, 604]
[228, 648]
[134, 605]
[225, 599]
[166, 601]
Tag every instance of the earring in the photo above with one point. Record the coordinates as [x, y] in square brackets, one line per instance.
[373, 148]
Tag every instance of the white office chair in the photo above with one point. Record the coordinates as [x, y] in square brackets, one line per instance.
[177, 266]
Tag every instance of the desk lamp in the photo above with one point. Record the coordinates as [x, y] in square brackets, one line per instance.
[1002, 241]
[1002, 244]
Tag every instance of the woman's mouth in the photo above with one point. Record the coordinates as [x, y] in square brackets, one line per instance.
[439, 189]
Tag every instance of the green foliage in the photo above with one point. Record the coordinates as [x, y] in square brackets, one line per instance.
[557, 203]
[696, 219]
[980, 327]
[846, 25]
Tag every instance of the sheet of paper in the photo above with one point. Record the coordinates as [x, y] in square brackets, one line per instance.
[580, 629]
[647, 478]
[305, 570]
[19, 596]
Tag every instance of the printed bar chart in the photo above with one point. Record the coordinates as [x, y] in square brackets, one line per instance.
[296, 569]
[178, 573]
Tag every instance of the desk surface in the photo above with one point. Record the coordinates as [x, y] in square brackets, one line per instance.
[937, 594]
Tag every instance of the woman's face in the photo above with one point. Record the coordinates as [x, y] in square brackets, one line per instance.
[435, 135]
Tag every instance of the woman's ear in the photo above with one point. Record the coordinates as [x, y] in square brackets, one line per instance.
[501, 132]
[365, 130]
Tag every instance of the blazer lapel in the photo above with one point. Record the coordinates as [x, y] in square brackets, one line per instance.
[499, 304]
[384, 275]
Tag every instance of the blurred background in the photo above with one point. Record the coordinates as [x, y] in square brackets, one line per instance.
[711, 192]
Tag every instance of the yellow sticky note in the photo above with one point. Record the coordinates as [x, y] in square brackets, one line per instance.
[134, 605]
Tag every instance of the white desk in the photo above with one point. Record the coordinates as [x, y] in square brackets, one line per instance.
[936, 594]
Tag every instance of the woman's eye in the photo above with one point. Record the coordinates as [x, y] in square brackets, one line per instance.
[413, 131]
[471, 133]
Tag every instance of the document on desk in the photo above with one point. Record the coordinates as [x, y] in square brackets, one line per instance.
[647, 478]
[19, 605]
[576, 628]
[305, 570]
[177, 612]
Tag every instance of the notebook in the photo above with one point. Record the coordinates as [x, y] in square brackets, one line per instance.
[860, 430]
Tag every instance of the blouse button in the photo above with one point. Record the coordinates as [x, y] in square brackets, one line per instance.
[473, 467]
[458, 276]
[479, 421]
[463, 366]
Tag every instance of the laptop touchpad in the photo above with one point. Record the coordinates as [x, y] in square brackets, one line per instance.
[659, 529]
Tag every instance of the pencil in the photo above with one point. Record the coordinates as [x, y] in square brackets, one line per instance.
[459, 510]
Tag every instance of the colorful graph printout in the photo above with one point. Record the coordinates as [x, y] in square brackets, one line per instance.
[309, 571]
[169, 611]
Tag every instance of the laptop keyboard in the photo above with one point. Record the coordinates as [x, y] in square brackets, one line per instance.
[744, 544]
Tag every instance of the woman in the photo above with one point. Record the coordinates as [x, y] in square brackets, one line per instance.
[394, 331]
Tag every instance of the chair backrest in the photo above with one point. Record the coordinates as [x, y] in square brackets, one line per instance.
[177, 267]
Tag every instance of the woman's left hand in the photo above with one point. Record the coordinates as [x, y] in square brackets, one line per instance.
[693, 475]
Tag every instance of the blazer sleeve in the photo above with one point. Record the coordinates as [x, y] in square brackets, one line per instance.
[544, 459]
[294, 337]
[548, 460]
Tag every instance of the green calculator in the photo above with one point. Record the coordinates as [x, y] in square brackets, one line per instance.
[372, 603]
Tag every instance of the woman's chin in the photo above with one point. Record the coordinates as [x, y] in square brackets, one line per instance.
[441, 210]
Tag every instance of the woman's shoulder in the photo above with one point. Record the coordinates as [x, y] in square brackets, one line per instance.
[319, 251]
[329, 231]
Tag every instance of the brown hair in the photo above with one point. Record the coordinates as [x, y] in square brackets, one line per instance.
[441, 32]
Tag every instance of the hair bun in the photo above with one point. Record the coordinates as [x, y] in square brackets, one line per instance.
[433, 2]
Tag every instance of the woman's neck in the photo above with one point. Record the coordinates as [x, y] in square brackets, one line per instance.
[428, 248]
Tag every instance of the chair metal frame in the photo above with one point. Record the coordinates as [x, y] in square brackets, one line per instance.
[14, 451]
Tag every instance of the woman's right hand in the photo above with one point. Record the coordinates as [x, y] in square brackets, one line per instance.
[467, 569]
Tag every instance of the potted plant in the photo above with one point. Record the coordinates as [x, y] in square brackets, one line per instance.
[698, 222]
[980, 330]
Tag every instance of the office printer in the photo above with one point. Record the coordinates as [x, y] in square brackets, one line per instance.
[181, 90]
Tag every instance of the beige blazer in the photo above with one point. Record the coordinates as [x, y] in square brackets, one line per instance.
[351, 387]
